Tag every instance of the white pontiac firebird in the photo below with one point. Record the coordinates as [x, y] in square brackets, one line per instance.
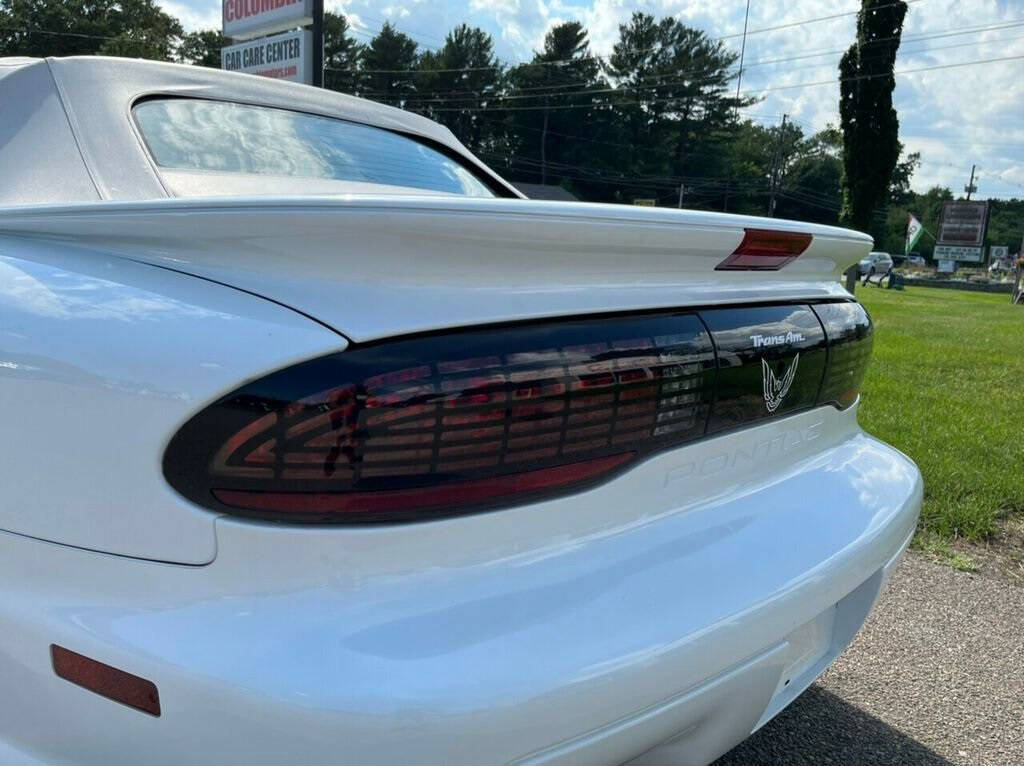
[324, 446]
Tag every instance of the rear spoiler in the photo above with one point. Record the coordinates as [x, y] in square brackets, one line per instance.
[377, 266]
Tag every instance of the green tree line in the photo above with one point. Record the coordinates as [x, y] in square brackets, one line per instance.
[656, 119]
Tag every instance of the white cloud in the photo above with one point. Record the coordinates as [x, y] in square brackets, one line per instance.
[194, 15]
[1014, 175]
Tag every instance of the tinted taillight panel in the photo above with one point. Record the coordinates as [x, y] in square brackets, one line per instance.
[443, 424]
[770, 361]
[446, 424]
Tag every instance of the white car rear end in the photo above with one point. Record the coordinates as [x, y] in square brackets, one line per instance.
[390, 478]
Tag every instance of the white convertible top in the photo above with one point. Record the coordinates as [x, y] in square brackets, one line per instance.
[67, 135]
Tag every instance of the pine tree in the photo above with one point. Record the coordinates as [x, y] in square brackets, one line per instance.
[389, 66]
[554, 96]
[458, 81]
[871, 146]
[342, 55]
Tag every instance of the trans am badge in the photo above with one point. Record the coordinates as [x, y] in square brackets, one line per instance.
[775, 390]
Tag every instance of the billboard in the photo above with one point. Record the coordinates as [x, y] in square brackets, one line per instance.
[962, 231]
[283, 57]
[956, 253]
[245, 19]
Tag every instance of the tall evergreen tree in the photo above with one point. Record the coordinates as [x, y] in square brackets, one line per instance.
[674, 96]
[554, 96]
[459, 80]
[342, 55]
[673, 71]
[389, 66]
[871, 146]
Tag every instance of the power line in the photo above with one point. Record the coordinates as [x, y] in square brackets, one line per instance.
[597, 57]
[437, 97]
[855, 78]
[30, 30]
[708, 187]
[425, 95]
[709, 183]
[901, 72]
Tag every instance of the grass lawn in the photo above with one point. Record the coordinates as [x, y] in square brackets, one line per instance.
[946, 386]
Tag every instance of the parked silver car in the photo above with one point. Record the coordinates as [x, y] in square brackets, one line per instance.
[875, 262]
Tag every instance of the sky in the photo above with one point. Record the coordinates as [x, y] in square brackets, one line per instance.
[955, 116]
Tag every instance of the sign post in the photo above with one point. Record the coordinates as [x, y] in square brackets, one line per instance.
[254, 26]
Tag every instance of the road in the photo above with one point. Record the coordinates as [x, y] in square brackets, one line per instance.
[936, 676]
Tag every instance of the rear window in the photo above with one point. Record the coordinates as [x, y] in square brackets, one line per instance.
[228, 138]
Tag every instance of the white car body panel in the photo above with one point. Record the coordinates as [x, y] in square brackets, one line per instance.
[101, 360]
[656, 618]
[569, 631]
[375, 267]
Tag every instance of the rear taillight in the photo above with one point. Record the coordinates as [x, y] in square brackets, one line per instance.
[765, 250]
[448, 424]
[442, 425]
[849, 332]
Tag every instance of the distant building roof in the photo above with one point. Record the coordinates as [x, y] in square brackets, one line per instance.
[545, 191]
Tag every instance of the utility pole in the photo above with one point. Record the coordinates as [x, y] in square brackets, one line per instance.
[318, 43]
[743, 49]
[971, 188]
[683, 188]
[544, 147]
[776, 170]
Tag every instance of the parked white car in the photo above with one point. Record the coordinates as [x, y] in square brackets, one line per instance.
[875, 263]
[322, 445]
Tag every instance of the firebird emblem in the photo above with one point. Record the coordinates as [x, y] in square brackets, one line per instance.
[775, 390]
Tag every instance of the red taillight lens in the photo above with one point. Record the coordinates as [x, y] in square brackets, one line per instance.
[765, 250]
[455, 495]
[448, 424]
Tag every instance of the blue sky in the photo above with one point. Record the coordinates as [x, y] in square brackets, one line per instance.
[954, 116]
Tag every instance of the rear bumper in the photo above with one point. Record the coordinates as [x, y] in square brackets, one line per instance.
[671, 618]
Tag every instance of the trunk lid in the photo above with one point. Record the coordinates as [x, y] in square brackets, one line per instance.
[379, 266]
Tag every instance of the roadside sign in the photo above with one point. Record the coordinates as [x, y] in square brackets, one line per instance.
[246, 19]
[963, 223]
[947, 267]
[283, 57]
[955, 253]
[645, 202]
[998, 253]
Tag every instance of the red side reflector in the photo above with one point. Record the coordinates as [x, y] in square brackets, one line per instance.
[106, 680]
[765, 250]
[458, 493]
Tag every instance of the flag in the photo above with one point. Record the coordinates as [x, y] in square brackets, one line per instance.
[914, 232]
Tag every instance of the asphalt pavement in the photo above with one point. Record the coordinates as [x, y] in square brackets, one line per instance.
[936, 676]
